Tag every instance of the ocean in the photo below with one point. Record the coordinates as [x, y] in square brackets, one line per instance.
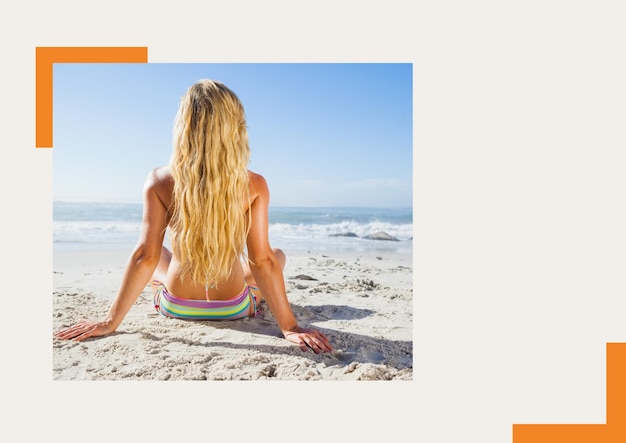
[81, 226]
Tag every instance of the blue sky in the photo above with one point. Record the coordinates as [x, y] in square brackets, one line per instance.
[321, 134]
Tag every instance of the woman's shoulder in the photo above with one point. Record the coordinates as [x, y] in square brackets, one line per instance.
[160, 179]
[255, 177]
[160, 175]
[257, 182]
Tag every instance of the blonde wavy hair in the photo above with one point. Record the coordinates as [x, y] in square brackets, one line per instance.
[209, 166]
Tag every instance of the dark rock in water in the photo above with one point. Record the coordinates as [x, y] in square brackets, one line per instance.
[345, 234]
[381, 236]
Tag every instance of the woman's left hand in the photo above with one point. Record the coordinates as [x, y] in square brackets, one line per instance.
[85, 329]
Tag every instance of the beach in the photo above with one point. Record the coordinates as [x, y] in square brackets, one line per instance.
[363, 301]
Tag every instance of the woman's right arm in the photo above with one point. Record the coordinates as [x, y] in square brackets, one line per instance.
[139, 268]
[268, 275]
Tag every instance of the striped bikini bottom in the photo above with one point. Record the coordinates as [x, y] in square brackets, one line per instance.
[169, 305]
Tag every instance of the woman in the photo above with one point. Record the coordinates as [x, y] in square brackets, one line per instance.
[215, 209]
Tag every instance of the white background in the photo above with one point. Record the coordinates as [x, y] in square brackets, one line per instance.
[520, 152]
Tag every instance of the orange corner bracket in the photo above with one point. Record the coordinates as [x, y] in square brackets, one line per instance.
[45, 57]
[613, 431]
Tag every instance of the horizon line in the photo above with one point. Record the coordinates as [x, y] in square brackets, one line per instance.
[136, 202]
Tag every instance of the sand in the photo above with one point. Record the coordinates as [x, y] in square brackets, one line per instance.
[362, 303]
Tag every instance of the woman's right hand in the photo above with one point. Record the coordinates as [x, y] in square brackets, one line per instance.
[85, 329]
[308, 339]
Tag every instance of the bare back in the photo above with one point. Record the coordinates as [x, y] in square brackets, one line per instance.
[163, 185]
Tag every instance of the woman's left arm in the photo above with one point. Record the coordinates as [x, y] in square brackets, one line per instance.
[139, 268]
